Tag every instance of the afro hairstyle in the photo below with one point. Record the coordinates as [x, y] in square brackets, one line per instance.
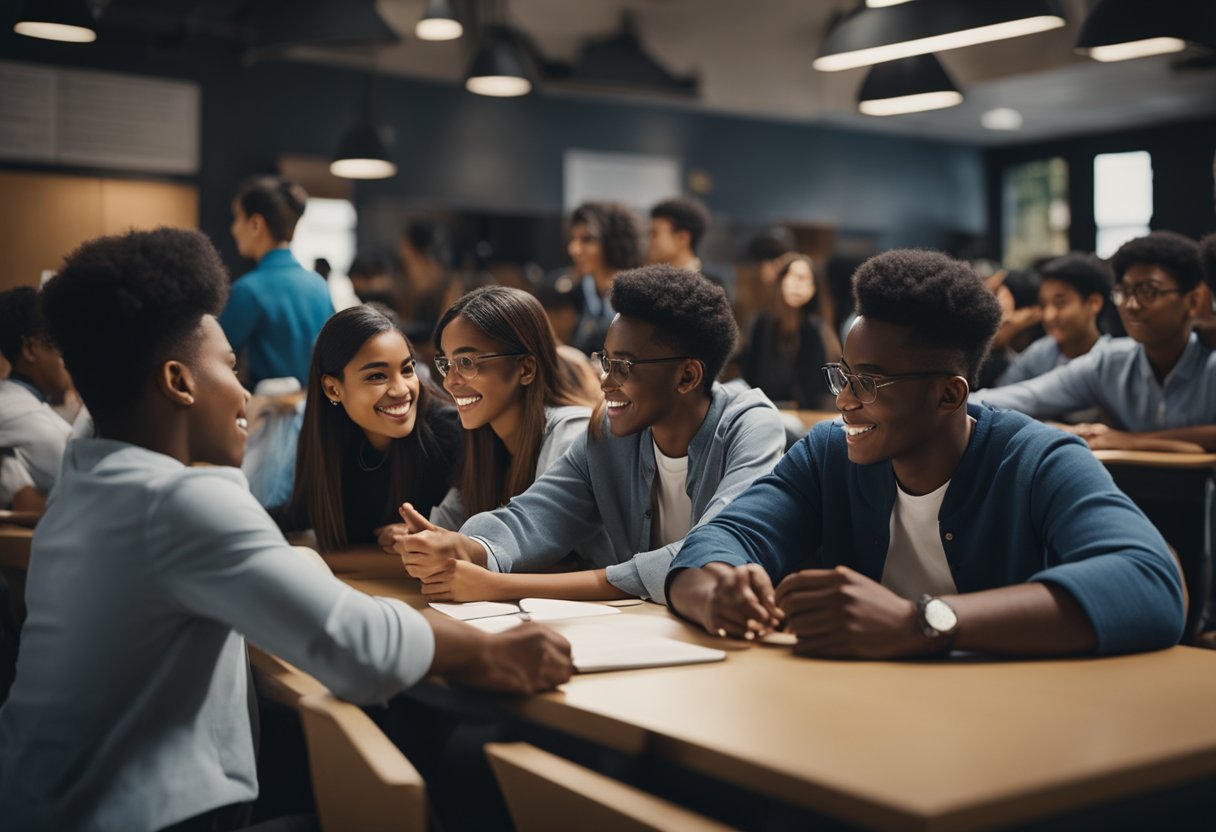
[617, 228]
[684, 214]
[690, 312]
[121, 305]
[941, 299]
[1175, 253]
[20, 318]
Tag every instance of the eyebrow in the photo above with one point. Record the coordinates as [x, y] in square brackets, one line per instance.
[459, 350]
[373, 364]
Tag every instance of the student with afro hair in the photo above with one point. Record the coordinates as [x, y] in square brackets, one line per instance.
[667, 450]
[917, 523]
[130, 708]
[1156, 388]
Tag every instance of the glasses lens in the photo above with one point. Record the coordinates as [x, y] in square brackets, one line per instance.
[834, 379]
[442, 365]
[466, 365]
[867, 390]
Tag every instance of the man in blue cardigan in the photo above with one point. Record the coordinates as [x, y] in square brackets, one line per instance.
[917, 524]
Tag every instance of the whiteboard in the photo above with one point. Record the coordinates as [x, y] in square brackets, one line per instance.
[637, 180]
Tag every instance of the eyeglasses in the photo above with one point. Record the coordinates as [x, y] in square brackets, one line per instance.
[622, 367]
[1144, 293]
[467, 364]
[865, 386]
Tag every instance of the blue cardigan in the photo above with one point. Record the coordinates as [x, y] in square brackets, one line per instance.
[1027, 502]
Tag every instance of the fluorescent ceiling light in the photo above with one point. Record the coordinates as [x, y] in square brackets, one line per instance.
[67, 21]
[909, 85]
[1135, 49]
[873, 36]
[499, 69]
[363, 168]
[499, 86]
[911, 103]
[1001, 118]
[1120, 30]
[439, 22]
[55, 31]
[362, 155]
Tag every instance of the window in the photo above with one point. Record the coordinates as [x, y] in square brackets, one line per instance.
[1035, 208]
[326, 230]
[1123, 198]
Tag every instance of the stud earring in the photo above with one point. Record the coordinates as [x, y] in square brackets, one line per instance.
[334, 402]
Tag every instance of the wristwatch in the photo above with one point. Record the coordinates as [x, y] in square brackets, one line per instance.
[936, 617]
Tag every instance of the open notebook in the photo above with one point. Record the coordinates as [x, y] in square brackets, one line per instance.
[594, 647]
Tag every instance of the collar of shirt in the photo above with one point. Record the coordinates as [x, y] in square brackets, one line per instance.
[277, 257]
[1190, 364]
[16, 379]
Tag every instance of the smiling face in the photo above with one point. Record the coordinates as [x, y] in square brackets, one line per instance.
[1166, 319]
[378, 389]
[218, 427]
[1068, 317]
[904, 417]
[585, 250]
[798, 284]
[650, 393]
[495, 395]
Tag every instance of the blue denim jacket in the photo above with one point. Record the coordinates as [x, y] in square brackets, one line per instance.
[604, 486]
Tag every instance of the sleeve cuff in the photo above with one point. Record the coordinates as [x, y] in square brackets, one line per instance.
[491, 560]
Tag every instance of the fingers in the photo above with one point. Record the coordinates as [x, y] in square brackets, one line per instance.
[762, 586]
[414, 521]
[807, 580]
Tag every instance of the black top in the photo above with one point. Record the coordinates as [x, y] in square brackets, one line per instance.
[367, 498]
[787, 369]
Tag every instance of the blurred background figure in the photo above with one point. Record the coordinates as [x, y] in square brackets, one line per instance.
[677, 227]
[605, 238]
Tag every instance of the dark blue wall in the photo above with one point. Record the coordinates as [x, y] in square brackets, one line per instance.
[463, 151]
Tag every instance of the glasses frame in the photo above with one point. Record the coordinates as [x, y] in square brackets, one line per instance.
[854, 380]
[475, 358]
[622, 368]
[1120, 296]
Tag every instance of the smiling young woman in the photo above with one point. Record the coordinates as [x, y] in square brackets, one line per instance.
[373, 435]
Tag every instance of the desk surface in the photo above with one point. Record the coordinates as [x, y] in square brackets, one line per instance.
[1157, 459]
[957, 745]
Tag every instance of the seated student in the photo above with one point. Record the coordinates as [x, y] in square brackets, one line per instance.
[275, 311]
[1206, 327]
[374, 436]
[130, 708]
[920, 523]
[678, 448]
[31, 432]
[1158, 387]
[498, 360]
[1072, 291]
[789, 344]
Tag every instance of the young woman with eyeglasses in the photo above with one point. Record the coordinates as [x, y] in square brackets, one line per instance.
[373, 436]
[497, 356]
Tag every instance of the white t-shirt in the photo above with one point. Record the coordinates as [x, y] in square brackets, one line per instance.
[916, 562]
[673, 518]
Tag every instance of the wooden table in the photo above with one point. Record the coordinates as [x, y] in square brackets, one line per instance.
[955, 745]
[810, 418]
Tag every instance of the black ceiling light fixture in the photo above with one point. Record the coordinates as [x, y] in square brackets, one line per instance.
[621, 61]
[439, 22]
[1120, 30]
[501, 66]
[276, 25]
[868, 36]
[909, 85]
[363, 153]
[67, 21]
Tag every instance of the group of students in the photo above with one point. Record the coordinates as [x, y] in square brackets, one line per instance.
[919, 522]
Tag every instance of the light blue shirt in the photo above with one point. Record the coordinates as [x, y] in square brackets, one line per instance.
[1041, 357]
[130, 707]
[276, 311]
[604, 486]
[1117, 378]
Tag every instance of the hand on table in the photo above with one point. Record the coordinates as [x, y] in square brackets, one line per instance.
[839, 613]
[525, 659]
[427, 550]
[459, 581]
[739, 602]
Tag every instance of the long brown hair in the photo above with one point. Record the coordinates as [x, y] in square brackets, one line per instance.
[517, 322]
[328, 433]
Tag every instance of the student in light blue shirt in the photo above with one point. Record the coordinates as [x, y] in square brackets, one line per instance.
[130, 709]
[1157, 388]
[275, 311]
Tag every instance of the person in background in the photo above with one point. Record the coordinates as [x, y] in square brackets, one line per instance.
[788, 345]
[373, 436]
[131, 707]
[677, 227]
[371, 276]
[916, 523]
[32, 435]
[1017, 292]
[605, 238]
[275, 311]
[1157, 387]
[563, 304]
[426, 287]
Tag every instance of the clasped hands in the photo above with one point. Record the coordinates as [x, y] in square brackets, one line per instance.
[834, 613]
[450, 566]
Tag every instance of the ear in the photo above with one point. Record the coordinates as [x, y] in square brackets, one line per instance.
[27, 350]
[692, 372]
[175, 381]
[527, 370]
[1192, 300]
[332, 388]
[1094, 303]
[954, 394]
[685, 237]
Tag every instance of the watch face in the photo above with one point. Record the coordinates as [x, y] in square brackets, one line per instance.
[939, 616]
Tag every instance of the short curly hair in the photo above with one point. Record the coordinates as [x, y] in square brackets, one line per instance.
[1086, 273]
[617, 228]
[1207, 259]
[120, 305]
[943, 300]
[1176, 253]
[20, 318]
[684, 214]
[690, 312]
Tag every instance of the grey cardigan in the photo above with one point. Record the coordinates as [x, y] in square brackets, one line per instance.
[604, 486]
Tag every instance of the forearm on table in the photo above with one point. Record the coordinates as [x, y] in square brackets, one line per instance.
[588, 585]
[1025, 619]
[1202, 435]
[458, 647]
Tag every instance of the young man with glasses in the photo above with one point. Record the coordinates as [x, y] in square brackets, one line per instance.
[1156, 388]
[668, 449]
[918, 523]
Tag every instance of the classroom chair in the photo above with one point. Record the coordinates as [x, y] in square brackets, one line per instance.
[546, 793]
